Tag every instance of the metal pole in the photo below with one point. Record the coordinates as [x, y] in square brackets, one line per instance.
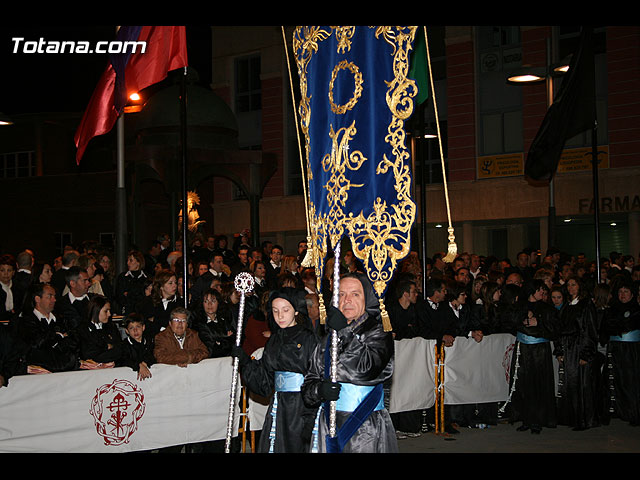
[121, 201]
[596, 195]
[243, 283]
[552, 207]
[185, 203]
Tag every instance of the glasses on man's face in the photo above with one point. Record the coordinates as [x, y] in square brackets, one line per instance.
[179, 320]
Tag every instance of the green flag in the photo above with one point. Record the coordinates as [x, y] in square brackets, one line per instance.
[419, 69]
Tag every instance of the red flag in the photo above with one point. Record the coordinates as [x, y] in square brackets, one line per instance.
[166, 50]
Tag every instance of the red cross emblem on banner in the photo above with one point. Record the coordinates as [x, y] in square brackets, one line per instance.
[116, 409]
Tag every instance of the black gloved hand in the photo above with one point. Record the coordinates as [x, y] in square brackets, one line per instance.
[335, 318]
[329, 391]
[239, 353]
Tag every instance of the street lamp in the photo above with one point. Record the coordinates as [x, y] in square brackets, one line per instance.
[534, 75]
[4, 120]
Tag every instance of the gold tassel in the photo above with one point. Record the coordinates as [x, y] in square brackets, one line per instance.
[453, 248]
[307, 261]
[323, 310]
[386, 323]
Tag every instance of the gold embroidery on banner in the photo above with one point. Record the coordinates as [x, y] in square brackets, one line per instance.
[381, 238]
[344, 36]
[305, 44]
[337, 162]
[357, 91]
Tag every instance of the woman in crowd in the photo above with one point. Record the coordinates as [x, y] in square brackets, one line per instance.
[99, 339]
[156, 308]
[289, 423]
[476, 289]
[259, 273]
[621, 325]
[231, 302]
[576, 351]
[129, 285]
[486, 311]
[213, 328]
[289, 264]
[557, 297]
[42, 273]
[7, 270]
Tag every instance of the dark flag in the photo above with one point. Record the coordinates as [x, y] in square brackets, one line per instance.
[573, 111]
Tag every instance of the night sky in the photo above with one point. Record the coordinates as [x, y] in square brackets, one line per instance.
[40, 82]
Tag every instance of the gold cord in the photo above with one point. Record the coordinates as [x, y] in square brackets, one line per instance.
[452, 247]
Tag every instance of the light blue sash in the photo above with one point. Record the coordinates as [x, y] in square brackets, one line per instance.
[632, 336]
[288, 381]
[284, 382]
[528, 339]
[352, 395]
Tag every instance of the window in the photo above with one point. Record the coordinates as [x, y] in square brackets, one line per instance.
[107, 240]
[499, 104]
[428, 149]
[248, 87]
[428, 154]
[62, 239]
[18, 164]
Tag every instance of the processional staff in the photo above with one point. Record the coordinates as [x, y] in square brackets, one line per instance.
[243, 283]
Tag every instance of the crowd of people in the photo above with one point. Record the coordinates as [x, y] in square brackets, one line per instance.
[76, 313]
[557, 307]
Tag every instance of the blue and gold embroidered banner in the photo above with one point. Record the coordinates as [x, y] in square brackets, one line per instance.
[355, 97]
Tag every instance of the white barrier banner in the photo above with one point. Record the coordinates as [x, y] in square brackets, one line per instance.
[257, 406]
[478, 372]
[473, 372]
[109, 410]
[413, 381]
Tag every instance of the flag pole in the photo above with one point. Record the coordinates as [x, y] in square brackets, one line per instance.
[596, 195]
[121, 201]
[185, 203]
[121, 197]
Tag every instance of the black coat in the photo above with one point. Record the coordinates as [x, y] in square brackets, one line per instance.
[50, 345]
[214, 333]
[156, 315]
[102, 345]
[365, 358]
[404, 322]
[290, 350]
[129, 291]
[134, 353]
[11, 356]
[578, 341]
[454, 325]
[20, 285]
[72, 314]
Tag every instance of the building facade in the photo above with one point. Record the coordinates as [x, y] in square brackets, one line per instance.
[487, 127]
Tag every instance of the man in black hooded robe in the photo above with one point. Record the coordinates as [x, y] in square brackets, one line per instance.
[365, 362]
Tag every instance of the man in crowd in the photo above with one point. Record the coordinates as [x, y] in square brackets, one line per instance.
[406, 324]
[22, 278]
[47, 340]
[242, 264]
[274, 265]
[72, 308]
[69, 259]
